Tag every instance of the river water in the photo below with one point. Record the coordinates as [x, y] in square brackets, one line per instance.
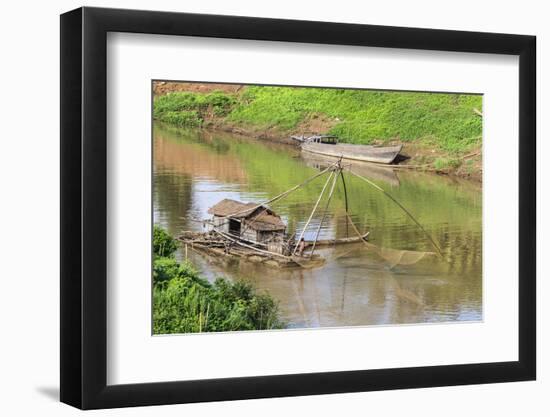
[396, 279]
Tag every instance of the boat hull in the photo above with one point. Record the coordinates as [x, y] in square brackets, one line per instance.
[365, 153]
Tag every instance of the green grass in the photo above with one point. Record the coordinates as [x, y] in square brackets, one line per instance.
[442, 164]
[362, 116]
[184, 302]
[190, 109]
[356, 116]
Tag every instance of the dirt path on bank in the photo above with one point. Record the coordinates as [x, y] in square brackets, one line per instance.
[164, 87]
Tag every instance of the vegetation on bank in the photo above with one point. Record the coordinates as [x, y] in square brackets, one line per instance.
[363, 116]
[447, 121]
[186, 109]
[184, 302]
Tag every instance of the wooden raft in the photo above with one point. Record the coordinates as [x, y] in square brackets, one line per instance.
[222, 245]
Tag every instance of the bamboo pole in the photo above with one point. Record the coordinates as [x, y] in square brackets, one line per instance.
[402, 208]
[357, 230]
[346, 198]
[325, 212]
[312, 212]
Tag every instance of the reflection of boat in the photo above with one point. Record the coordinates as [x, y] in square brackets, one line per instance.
[372, 171]
[365, 153]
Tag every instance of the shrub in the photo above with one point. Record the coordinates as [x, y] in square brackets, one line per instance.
[165, 269]
[164, 245]
[185, 305]
[182, 118]
[186, 109]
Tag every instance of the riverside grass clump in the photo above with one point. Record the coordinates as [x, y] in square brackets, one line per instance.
[447, 121]
[185, 109]
[184, 302]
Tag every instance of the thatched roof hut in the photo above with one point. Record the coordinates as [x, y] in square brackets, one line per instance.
[257, 218]
[249, 220]
[232, 208]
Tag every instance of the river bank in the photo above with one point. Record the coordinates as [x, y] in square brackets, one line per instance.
[440, 132]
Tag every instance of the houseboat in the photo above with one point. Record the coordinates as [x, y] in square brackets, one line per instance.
[250, 222]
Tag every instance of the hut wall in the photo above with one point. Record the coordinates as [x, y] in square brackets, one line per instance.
[250, 234]
[271, 235]
[263, 236]
[275, 246]
[220, 223]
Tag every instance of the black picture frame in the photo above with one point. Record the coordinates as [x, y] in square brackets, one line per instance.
[84, 207]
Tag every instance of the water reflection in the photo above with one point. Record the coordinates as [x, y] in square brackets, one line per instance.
[388, 281]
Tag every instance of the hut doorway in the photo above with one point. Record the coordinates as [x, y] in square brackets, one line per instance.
[234, 227]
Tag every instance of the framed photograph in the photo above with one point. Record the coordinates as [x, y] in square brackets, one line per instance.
[257, 208]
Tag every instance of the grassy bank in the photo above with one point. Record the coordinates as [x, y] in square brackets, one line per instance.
[438, 128]
[184, 302]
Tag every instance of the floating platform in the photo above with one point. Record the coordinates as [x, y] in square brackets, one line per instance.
[221, 245]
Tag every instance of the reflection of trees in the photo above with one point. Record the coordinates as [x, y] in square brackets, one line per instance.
[173, 196]
[449, 211]
[186, 156]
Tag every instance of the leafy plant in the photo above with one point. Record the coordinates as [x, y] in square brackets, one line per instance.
[164, 245]
[183, 302]
[185, 109]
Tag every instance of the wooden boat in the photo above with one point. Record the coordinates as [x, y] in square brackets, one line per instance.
[365, 153]
[329, 139]
[328, 145]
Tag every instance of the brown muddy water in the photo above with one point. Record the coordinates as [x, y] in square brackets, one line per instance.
[392, 281]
